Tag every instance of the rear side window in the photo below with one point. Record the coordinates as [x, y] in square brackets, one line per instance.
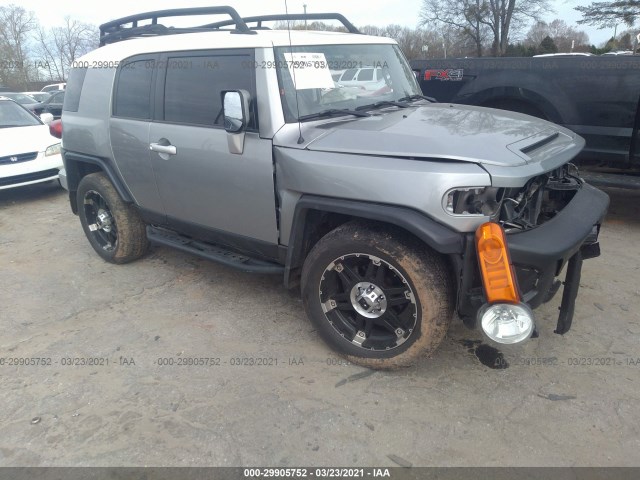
[74, 89]
[365, 75]
[133, 90]
[194, 83]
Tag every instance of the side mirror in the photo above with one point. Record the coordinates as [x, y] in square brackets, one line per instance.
[235, 110]
[46, 118]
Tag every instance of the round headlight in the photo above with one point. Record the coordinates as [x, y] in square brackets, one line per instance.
[506, 323]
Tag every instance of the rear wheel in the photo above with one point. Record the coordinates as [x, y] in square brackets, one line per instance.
[114, 229]
[380, 299]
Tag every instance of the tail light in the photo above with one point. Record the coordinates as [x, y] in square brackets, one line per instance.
[55, 128]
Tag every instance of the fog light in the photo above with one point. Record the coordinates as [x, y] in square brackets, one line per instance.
[506, 323]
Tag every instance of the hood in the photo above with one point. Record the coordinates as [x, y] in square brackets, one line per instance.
[447, 132]
[17, 140]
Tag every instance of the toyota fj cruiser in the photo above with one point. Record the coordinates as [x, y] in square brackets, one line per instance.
[392, 212]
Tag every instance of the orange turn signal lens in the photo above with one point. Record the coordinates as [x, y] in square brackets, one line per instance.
[498, 278]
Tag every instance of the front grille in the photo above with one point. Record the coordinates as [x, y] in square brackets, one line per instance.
[28, 177]
[22, 157]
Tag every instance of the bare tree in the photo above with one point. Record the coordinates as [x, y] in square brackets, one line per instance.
[474, 18]
[536, 34]
[608, 14]
[16, 25]
[62, 46]
[465, 16]
[563, 36]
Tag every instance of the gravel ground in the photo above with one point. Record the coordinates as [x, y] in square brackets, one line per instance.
[60, 301]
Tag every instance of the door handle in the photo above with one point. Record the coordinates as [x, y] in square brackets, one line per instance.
[166, 149]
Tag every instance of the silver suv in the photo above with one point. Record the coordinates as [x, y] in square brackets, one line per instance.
[390, 211]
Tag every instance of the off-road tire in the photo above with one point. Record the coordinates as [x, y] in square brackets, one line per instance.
[130, 241]
[424, 270]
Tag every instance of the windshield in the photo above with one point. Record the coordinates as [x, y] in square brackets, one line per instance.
[341, 77]
[13, 115]
[20, 98]
[39, 96]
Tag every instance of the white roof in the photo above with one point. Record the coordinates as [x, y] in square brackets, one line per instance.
[225, 39]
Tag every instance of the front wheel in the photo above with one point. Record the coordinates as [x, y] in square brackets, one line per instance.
[380, 298]
[114, 229]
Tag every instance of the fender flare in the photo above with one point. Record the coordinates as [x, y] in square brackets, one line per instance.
[71, 161]
[440, 238]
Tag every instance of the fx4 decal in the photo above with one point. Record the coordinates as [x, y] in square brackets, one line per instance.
[450, 74]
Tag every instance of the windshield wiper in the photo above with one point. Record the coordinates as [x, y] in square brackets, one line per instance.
[331, 112]
[382, 103]
[411, 98]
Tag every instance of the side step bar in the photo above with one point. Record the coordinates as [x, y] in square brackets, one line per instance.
[212, 252]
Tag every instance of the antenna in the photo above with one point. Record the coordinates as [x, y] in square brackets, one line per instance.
[293, 70]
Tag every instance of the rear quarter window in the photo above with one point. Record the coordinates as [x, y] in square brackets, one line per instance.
[74, 89]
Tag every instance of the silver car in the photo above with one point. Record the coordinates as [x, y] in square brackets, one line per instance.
[389, 211]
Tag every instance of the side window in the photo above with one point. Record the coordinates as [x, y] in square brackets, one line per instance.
[349, 74]
[365, 75]
[133, 90]
[194, 83]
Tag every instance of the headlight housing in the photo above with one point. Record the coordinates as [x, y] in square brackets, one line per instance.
[54, 149]
[473, 201]
[507, 324]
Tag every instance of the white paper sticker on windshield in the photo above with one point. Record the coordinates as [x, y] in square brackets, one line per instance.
[309, 70]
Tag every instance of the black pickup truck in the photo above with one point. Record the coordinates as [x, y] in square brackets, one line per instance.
[597, 97]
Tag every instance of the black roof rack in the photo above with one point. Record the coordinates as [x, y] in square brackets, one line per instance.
[115, 30]
[292, 16]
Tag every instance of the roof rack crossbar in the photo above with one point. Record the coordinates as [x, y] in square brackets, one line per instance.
[115, 29]
[292, 16]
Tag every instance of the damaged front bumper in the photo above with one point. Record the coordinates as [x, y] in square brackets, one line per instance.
[539, 255]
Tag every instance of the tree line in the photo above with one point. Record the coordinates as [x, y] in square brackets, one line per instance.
[503, 27]
[31, 53]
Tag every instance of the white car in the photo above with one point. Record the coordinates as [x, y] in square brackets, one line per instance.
[366, 78]
[28, 152]
[39, 96]
[54, 87]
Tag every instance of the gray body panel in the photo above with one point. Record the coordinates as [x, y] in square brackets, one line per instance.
[271, 116]
[204, 184]
[419, 185]
[442, 131]
[130, 144]
[87, 130]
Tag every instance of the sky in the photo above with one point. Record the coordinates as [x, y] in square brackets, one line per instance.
[374, 12]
